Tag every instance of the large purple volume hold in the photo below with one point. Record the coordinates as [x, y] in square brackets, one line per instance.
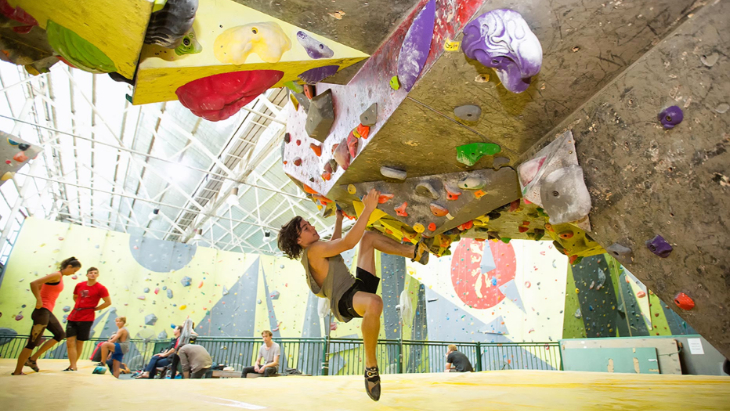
[416, 46]
[502, 40]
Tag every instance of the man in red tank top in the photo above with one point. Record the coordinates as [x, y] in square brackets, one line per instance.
[86, 295]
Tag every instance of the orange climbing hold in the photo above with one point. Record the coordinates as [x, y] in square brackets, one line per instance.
[572, 259]
[321, 198]
[384, 198]
[566, 235]
[479, 194]
[438, 210]
[466, 226]
[401, 211]
[684, 301]
[549, 227]
[452, 195]
[514, 206]
[327, 174]
[432, 227]
[523, 229]
[364, 131]
[317, 149]
[309, 190]
[525, 223]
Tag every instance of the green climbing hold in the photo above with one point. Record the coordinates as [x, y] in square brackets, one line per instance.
[295, 87]
[506, 240]
[78, 51]
[189, 44]
[469, 154]
[394, 83]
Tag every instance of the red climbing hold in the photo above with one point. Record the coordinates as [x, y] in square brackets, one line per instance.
[525, 223]
[317, 149]
[452, 195]
[566, 235]
[572, 259]
[438, 210]
[523, 229]
[513, 206]
[352, 145]
[466, 226]
[683, 301]
[310, 91]
[384, 198]
[297, 161]
[432, 227]
[401, 211]
[364, 131]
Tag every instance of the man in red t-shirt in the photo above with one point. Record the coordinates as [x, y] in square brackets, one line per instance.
[86, 295]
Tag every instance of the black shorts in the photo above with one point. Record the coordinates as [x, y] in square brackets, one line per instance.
[365, 282]
[79, 329]
[44, 319]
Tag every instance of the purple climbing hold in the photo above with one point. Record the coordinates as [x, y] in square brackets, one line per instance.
[671, 116]
[502, 40]
[318, 74]
[416, 46]
[315, 49]
[659, 246]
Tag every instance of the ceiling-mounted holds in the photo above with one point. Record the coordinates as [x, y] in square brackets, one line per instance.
[438, 210]
[317, 74]
[502, 40]
[469, 154]
[265, 39]
[316, 148]
[363, 131]
[342, 154]
[468, 112]
[617, 250]
[393, 173]
[427, 190]
[418, 227]
[671, 116]
[294, 101]
[20, 157]
[327, 174]
[77, 51]
[499, 162]
[466, 226]
[321, 116]
[384, 198]
[220, 96]
[310, 91]
[452, 195]
[432, 226]
[314, 48]
[7, 176]
[659, 246]
[566, 235]
[401, 210]
[394, 83]
[684, 301]
[479, 194]
[565, 196]
[370, 116]
[333, 164]
[351, 189]
[352, 144]
[168, 26]
[416, 46]
[472, 183]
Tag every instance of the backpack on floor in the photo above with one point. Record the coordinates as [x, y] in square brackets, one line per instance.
[96, 354]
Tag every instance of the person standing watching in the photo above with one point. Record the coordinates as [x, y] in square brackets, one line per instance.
[86, 296]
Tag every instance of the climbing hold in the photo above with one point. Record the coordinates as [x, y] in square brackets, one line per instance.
[432, 227]
[401, 210]
[287, 138]
[141, 297]
[317, 74]
[469, 154]
[363, 131]
[7, 176]
[721, 108]
[684, 301]
[710, 60]
[450, 45]
[498, 162]
[659, 246]
[479, 194]
[564, 195]
[617, 250]
[472, 183]
[465, 226]
[342, 155]
[275, 295]
[169, 293]
[309, 190]
[452, 195]
[416, 46]
[66, 309]
[418, 227]
[200, 285]
[146, 290]
[20, 157]
[294, 101]
[316, 148]
[640, 294]
[294, 86]
[502, 40]
[182, 307]
[297, 161]
[426, 190]
[370, 116]
[438, 210]
[351, 189]
[384, 198]
[528, 284]
[523, 229]
[327, 173]
[514, 206]
[266, 39]
[352, 144]
[671, 116]
[321, 116]
[314, 48]
[468, 112]
[157, 290]
[394, 83]
[393, 173]
[150, 319]
[506, 240]
[566, 235]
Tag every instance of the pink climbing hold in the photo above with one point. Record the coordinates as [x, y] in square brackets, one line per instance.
[352, 144]
[640, 294]
[401, 210]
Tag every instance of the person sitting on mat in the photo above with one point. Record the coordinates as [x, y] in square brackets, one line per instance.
[195, 360]
[270, 352]
[328, 276]
[86, 296]
[46, 291]
[162, 359]
[117, 346]
[456, 361]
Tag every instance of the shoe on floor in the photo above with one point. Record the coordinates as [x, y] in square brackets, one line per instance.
[372, 383]
[32, 364]
[69, 369]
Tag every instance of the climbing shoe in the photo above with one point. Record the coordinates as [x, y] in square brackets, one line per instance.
[32, 364]
[420, 253]
[372, 383]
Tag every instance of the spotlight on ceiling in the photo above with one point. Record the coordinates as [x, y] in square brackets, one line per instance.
[233, 197]
[155, 214]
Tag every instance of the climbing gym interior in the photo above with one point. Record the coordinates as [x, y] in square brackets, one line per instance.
[563, 164]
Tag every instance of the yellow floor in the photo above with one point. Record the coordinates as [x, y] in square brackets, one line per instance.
[54, 390]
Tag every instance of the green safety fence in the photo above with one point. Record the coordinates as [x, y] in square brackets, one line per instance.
[335, 356]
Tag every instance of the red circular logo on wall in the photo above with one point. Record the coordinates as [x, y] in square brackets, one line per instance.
[479, 289]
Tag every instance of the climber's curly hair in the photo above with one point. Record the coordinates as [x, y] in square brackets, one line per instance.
[288, 237]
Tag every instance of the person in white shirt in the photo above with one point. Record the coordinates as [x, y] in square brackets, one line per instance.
[270, 353]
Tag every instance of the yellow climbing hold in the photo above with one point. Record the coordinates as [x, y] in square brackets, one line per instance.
[7, 176]
[577, 291]
[394, 83]
[351, 189]
[450, 45]
[182, 307]
[419, 228]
